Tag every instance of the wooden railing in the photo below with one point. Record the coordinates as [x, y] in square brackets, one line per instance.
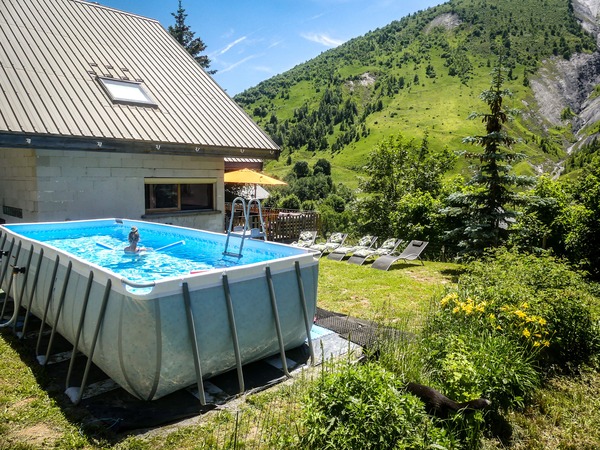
[282, 225]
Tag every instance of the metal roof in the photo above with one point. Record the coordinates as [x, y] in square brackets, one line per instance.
[52, 54]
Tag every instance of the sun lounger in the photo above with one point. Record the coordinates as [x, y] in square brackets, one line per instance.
[334, 241]
[412, 251]
[306, 239]
[365, 243]
[388, 247]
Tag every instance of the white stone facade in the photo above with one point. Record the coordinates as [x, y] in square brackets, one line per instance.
[57, 185]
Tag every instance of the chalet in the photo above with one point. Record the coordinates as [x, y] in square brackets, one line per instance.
[104, 114]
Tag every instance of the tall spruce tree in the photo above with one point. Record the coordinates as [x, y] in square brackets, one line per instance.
[185, 36]
[483, 209]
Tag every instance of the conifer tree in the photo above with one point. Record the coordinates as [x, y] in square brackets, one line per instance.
[484, 207]
[185, 36]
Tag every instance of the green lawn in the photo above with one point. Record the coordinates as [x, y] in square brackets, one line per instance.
[566, 414]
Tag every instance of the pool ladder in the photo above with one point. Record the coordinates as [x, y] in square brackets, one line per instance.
[243, 231]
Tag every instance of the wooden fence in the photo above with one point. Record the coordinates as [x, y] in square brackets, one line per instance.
[282, 225]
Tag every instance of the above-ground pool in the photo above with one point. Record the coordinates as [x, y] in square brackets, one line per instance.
[163, 319]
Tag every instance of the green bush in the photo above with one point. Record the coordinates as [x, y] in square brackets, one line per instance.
[289, 202]
[541, 300]
[512, 319]
[486, 364]
[365, 407]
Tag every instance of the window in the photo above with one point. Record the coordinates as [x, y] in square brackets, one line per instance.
[128, 92]
[179, 194]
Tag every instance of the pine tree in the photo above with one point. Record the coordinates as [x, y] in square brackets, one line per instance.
[194, 46]
[483, 209]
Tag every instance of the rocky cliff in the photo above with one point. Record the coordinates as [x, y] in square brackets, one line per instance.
[562, 83]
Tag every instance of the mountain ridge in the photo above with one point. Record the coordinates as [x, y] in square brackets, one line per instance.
[425, 72]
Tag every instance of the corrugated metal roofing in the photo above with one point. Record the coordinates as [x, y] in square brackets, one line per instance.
[53, 52]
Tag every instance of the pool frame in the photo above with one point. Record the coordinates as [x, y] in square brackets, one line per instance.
[184, 330]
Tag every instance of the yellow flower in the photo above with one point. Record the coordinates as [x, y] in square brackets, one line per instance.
[455, 309]
[520, 314]
[526, 332]
[542, 321]
[536, 344]
[525, 305]
[546, 343]
[447, 298]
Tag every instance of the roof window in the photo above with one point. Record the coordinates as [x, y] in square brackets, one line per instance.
[127, 92]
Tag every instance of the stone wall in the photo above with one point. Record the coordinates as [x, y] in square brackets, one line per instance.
[51, 185]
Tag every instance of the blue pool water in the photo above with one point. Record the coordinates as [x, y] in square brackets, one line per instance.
[187, 251]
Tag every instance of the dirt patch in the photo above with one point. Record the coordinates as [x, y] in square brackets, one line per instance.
[36, 435]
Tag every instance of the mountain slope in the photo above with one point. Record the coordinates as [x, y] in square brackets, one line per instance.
[424, 73]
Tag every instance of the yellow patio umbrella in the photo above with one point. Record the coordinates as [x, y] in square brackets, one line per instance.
[248, 176]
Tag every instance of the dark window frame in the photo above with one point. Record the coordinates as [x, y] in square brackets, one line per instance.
[179, 188]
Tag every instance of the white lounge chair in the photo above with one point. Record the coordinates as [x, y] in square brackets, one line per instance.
[412, 251]
[365, 243]
[388, 247]
[334, 241]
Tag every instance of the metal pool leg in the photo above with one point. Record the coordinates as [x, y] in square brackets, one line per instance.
[10, 281]
[79, 392]
[35, 281]
[79, 327]
[192, 331]
[48, 298]
[60, 305]
[16, 303]
[26, 273]
[277, 323]
[234, 336]
[4, 256]
[305, 311]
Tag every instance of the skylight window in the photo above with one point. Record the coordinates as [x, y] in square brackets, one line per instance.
[128, 92]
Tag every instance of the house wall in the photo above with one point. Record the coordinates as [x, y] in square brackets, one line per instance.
[55, 185]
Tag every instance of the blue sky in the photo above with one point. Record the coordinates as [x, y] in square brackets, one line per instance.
[251, 41]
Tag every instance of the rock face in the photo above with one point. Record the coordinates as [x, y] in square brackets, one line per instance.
[564, 83]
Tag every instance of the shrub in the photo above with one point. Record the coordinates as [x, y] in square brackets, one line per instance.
[364, 407]
[541, 301]
[290, 202]
[489, 365]
[511, 319]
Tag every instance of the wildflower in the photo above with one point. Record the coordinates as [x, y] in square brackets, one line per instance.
[542, 321]
[536, 344]
[455, 309]
[525, 305]
[520, 314]
[526, 333]
[546, 343]
[452, 296]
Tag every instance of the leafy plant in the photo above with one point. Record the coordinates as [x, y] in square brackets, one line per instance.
[364, 407]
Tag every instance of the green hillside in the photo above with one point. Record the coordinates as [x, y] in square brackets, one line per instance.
[423, 73]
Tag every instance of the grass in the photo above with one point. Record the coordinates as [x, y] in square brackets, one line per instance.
[565, 414]
[403, 292]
